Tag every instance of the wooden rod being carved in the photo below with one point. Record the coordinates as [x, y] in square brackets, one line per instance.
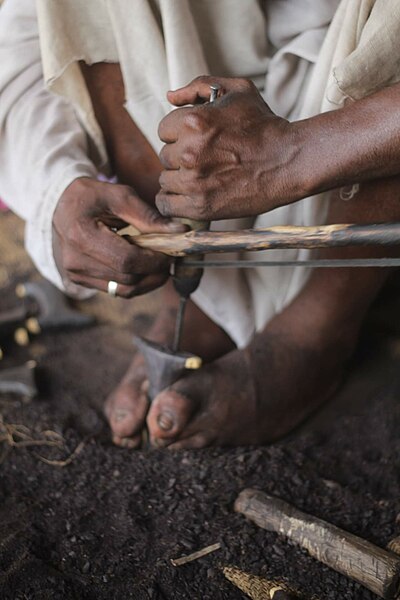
[371, 566]
[203, 242]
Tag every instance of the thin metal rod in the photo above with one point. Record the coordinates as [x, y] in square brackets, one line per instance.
[321, 263]
[179, 323]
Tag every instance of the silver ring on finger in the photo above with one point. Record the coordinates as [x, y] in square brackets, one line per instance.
[112, 288]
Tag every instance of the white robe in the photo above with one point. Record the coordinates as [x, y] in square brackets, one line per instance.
[306, 56]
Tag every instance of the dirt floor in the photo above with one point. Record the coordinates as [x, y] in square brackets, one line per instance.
[107, 524]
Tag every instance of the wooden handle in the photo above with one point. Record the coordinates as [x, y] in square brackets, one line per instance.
[373, 567]
[203, 242]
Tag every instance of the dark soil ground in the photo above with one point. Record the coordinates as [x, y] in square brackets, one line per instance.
[106, 525]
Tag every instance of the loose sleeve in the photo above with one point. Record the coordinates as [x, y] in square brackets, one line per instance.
[43, 147]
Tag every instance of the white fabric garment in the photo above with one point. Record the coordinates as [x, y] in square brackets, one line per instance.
[161, 45]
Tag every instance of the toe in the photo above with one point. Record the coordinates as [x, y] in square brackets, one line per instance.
[168, 417]
[200, 440]
[126, 411]
[128, 442]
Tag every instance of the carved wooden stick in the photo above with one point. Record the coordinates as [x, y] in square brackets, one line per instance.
[373, 567]
[202, 242]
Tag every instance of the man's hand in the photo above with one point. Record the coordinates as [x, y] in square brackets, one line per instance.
[88, 253]
[232, 158]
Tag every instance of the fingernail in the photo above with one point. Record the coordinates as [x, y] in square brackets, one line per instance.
[165, 421]
[120, 415]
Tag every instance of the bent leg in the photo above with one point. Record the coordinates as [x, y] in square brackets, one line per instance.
[258, 394]
[127, 406]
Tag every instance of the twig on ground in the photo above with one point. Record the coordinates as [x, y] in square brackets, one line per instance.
[67, 461]
[17, 435]
[183, 560]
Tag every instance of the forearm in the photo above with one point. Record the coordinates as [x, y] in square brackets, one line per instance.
[357, 143]
[131, 156]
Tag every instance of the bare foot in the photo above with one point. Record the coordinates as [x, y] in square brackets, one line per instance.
[258, 394]
[252, 396]
[126, 408]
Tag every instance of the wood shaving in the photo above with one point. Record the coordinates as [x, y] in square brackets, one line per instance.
[183, 560]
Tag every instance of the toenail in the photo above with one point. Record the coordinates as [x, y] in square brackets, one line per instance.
[128, 443]
[144, 388]
[120, 415]
[165, 422]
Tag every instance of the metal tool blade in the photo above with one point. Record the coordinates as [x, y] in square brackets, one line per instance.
[318, 263]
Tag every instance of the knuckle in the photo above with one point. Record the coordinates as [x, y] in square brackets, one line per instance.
[189, 159]
[247, 85]
[162, 180]
[201, 79]
[196, 121]
[76, 234]
[164, 157]
[201, 207]
[69, 261]
[75, 278]
[123, 194]
[162, 127]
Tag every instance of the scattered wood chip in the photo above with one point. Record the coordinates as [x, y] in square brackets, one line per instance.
[17, 435]
[394, 545]
[183, 560]
[67, 461]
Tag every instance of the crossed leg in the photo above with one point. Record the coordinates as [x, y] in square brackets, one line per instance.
[258, 394]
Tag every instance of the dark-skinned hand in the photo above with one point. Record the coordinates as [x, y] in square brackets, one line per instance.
[88, 253]
[228, 159]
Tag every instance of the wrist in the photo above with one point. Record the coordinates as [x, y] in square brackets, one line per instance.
[287, 177]
[307, 173]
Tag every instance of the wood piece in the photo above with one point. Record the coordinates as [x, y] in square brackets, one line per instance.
[372, 567]
[324, 236]
[183, 560]
[394, 545]
[258, 588]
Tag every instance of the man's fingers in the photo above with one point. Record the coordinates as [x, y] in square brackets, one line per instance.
[143, 217]
[118, 254]
[178, 182]
[149, 283]
[76, 263]
[171, 124]
[170, 157]
[146, 285]
[177, 205]
[197, 91]
[124, 291]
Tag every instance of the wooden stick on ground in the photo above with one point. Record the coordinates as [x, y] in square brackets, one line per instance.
[183, 560]
[372, 567]
[324, 236]
[258, 588]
